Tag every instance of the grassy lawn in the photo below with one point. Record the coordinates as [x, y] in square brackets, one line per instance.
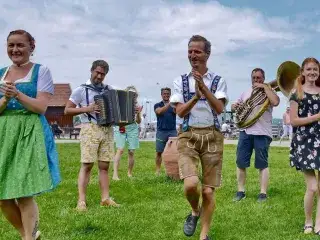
[155, 208]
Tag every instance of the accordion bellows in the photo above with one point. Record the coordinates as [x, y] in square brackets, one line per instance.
[117, 107]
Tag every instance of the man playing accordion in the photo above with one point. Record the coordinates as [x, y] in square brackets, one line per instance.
[257, 136]
[96, 142]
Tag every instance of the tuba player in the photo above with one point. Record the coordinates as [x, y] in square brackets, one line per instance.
[258, 137]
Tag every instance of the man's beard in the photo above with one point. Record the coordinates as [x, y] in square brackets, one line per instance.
[97, 84]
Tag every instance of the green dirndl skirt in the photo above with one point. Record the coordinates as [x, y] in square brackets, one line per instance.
[24, 169]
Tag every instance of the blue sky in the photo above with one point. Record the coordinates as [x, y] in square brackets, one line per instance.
[145, 41]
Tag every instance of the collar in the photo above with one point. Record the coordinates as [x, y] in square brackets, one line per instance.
[89, 83]
[209, 74]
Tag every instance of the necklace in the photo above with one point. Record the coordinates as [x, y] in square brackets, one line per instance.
[21, 65]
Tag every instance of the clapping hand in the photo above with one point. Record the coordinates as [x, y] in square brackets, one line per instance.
[9, 90]
[198, 78]
[199, 84]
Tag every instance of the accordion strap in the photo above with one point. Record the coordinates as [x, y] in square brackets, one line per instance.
[98, 90]
[187, 96]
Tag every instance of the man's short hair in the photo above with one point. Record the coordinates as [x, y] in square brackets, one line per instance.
[198, 38]
[100, 63]
[258, 70]
[165, 89]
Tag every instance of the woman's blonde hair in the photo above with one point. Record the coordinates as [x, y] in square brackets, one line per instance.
[133, 88]
[301, 79]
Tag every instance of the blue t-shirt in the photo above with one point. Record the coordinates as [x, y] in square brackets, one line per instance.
[167, 120]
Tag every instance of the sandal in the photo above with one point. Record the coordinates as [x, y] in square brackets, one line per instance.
[308, 229]
[38, 237]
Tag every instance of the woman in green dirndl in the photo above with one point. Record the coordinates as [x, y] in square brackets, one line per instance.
[28, 156]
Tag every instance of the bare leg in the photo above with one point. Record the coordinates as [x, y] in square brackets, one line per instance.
[30, 217]
[12, 213]
[192, 193]
[130, 162]
[283, 135]
[264, 179]
[104, 179]
[241, 177]
[158, 163]
[116, 164]
[83, 180]
[312, 189]
[208, 206]
[317, 225]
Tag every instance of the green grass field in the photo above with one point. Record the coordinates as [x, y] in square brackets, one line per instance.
[155, 208]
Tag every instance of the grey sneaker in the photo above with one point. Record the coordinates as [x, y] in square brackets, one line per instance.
[190, 225]
[239, 196]
[262, 197]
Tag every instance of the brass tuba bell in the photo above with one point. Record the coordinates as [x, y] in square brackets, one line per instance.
[252, 109]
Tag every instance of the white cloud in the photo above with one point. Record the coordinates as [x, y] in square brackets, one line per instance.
[145, 42]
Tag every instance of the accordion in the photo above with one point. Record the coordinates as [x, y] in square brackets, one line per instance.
[117, 107]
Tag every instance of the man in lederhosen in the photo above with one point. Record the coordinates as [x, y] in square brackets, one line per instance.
[199, 97]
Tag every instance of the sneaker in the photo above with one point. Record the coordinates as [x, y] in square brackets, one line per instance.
[190, 225]
[262, 197]
[109, 203]
[82, 206]
[239, 196]
[207, 238]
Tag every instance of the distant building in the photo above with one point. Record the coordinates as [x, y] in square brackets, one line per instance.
[55, 110]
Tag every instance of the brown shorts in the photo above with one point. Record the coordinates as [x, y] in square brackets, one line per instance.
[96, 143]
[206, 145]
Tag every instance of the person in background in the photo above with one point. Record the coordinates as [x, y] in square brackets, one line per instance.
[166, 125]
[129, 134]
[257, 137]
[287, 128]
[143, 126]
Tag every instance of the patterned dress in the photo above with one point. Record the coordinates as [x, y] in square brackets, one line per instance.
[305, 145]
[28, 156]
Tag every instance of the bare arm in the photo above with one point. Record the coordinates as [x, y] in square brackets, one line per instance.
[71, 109]
[138, 118]
[182, 109]
[37, 105]
[298, 121]
[162, 110]
[272, 96]
[216, 104]
[3, 104]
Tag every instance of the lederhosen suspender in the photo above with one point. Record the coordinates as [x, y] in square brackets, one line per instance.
[187, 96]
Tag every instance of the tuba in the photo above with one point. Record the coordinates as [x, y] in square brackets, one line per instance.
[248, 112]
